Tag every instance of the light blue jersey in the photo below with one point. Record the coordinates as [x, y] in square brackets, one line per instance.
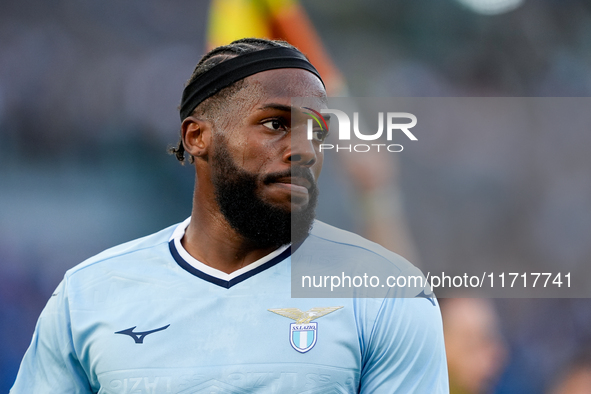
[146, 317]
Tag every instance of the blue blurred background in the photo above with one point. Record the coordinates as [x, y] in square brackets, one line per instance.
[88, 105]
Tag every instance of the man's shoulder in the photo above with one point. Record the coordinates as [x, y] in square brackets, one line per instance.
[113, 256]
[349, 244]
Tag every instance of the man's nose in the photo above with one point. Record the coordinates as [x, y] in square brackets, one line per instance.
[301, 151]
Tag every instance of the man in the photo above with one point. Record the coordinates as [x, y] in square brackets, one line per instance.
[476, 351]
[204, 306]
[373, 177]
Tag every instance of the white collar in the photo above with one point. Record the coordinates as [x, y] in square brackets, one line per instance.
[178, 234]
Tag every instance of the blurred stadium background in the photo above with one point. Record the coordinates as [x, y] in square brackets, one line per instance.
[88, 97]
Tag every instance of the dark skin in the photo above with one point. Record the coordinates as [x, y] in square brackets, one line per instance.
[263, 137]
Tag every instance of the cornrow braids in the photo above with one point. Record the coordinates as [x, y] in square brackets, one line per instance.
[212, 106]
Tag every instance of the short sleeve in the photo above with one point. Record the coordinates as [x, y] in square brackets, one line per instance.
[406, 351]
[50, 364]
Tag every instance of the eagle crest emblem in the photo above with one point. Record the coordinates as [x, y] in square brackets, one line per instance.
[303, 333]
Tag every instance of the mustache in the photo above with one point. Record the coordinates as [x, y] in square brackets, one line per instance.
[294, 171]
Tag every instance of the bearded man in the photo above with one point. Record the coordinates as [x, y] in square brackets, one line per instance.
[201, 306]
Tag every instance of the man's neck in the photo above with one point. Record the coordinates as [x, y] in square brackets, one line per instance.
[211, 240]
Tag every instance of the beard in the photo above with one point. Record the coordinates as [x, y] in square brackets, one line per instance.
[261, 223]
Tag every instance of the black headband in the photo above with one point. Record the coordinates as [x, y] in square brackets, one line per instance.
[227, 72]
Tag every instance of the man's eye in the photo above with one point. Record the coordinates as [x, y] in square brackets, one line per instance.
[275, 124]
[320, 135]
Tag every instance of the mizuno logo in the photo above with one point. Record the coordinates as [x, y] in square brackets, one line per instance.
[427, 296]
[138, 337]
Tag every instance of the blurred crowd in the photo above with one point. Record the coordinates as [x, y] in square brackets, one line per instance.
[88, 105]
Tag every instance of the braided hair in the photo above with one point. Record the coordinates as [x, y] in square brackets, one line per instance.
[212, 106]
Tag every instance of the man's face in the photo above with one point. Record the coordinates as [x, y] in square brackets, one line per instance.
[263, 167]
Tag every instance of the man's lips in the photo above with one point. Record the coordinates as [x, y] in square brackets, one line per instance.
[295, 184]
[295, 180]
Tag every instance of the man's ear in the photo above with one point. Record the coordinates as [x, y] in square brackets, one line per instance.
[196, 135]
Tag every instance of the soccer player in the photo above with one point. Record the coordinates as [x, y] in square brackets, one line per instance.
[205, 305]
[373, 177]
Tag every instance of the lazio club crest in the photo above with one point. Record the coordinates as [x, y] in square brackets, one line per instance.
[303, 333]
